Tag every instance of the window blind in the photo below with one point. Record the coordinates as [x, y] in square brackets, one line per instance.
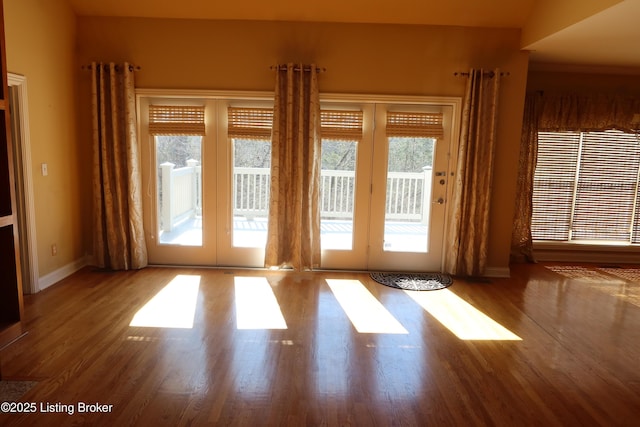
[427, 125]
[554, 184]
[586, 187]
[341, 125]
[607, 184]
[250, 123]
[176, 120]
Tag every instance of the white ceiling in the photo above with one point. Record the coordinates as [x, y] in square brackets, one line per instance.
[609, 38]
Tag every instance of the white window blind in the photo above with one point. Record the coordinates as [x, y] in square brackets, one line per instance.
[586, 187]
[425, 125]
[176, 120]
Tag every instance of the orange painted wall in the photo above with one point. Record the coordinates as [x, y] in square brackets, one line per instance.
[41, 45]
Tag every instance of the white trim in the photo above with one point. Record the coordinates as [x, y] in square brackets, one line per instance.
[20, 84]
[203, 94]
[324, 97]
[504, 272]
[62, 273]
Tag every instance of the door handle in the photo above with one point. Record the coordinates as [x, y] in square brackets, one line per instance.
[439, 201]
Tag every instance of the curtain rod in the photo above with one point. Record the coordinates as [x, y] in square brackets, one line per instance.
[296, 68]
[489, 74]
[131, 67]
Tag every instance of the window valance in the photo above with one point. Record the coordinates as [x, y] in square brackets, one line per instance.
[588, 112]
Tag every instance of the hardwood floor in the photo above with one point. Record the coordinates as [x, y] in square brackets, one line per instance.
[572, 358]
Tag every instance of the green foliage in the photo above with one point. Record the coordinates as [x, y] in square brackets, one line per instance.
[410, 154]
[251, 153]
[177, 149]
[338, 155]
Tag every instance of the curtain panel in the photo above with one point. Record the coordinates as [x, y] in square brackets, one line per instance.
[293, 238]
[469, 226]
[521, 241]
[118, 231]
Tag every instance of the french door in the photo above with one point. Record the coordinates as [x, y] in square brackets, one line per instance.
[205, 168]
[385, 170]
[401, 174]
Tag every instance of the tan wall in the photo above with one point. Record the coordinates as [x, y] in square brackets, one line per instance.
[567, 81]
[40, 38]
[367, 59]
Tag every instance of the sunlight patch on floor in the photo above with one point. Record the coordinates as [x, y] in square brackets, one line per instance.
[460, 317]
[366, 313]
[173, 307]
[256, 305]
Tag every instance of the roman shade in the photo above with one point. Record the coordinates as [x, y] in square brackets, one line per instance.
[250, 123]
[425, 125]
[341, 125]
[176, 120]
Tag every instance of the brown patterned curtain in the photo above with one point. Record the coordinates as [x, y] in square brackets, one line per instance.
[118, 232]
[588, 112]
[469, 227]
[521, 241]
[294, 217]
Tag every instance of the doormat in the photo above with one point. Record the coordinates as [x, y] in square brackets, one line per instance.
[414, 281]
[12, 391]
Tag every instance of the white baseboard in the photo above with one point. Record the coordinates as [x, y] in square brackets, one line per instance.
[497, 272]
[61, 273]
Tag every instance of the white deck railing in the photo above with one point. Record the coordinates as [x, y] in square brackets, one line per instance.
[183, 200]
[409, 193]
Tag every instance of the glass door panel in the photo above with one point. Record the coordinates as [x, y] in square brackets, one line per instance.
[178, 179]
[251, 184]
[179, 189]
[337, 194]
[244, 181]
[408, 199]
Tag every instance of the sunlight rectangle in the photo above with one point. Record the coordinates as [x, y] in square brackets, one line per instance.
[256, 305]
[460, 317]
[366, 313]
[173, 307]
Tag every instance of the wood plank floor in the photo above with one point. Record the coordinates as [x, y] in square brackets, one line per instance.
[577, 361]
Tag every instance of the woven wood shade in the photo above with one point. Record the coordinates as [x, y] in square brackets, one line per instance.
[425, 125]
[250, 123]
[176, 120]
[341, 125]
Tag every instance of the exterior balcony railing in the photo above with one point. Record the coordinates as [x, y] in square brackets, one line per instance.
[181, 194]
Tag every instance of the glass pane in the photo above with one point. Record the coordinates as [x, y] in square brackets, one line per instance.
[337, 193]
[408, 204]
[251, 181]
[179, 192]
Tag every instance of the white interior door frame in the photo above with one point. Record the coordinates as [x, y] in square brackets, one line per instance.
[24, 179]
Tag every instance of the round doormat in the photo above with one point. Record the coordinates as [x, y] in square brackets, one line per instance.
[414, 281]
